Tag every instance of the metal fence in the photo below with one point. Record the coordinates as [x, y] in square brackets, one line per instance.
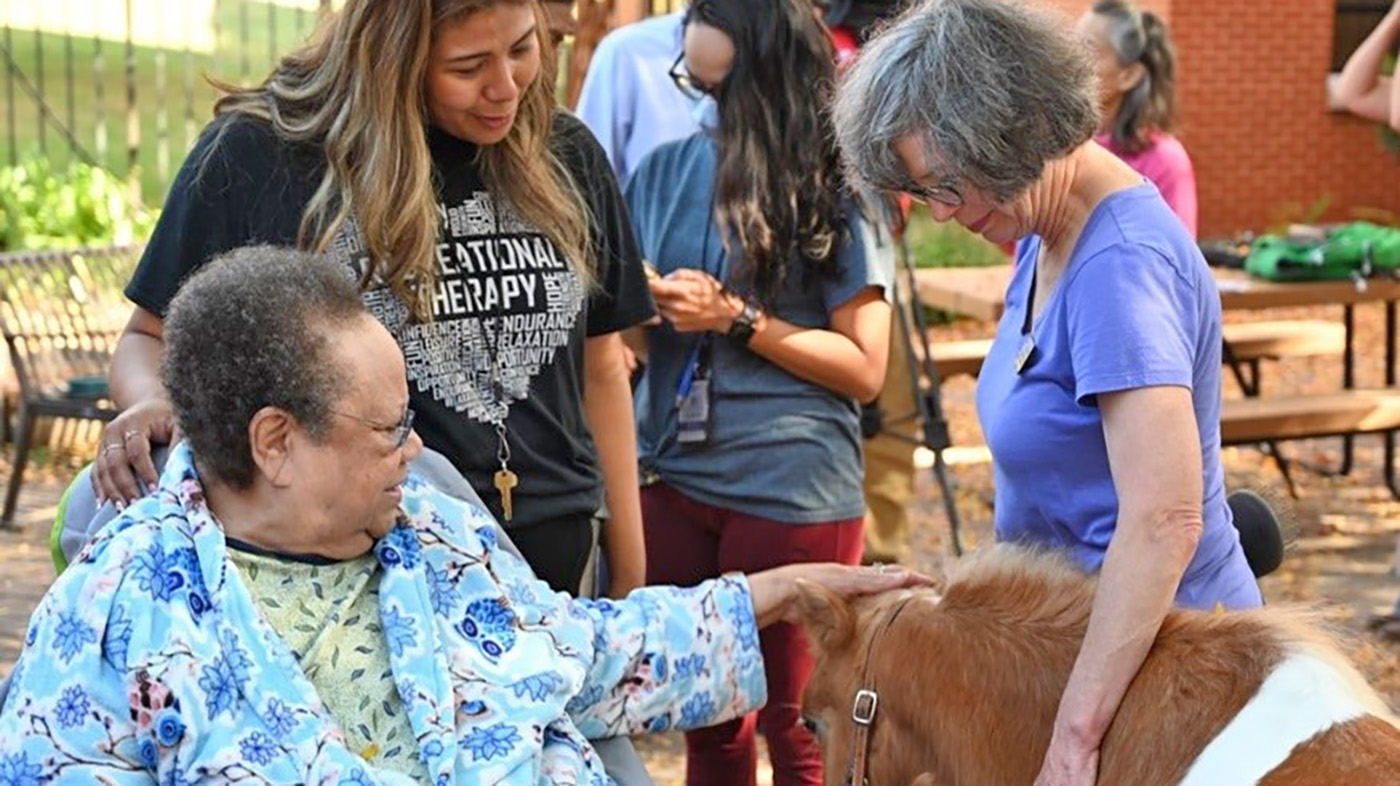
[129, 91]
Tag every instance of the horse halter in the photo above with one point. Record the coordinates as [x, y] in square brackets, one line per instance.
[863, 709]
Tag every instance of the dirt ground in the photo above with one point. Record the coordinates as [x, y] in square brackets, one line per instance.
[1340, 561]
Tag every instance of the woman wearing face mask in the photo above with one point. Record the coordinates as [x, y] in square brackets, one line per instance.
[772, 288]
[1136, 69]
[417, 142]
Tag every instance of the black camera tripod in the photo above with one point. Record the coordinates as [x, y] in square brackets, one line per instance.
[911, 325]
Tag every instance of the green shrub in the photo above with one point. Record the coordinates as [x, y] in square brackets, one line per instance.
[948, 244]
[82, 205]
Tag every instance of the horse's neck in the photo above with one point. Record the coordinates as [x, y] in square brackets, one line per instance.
[983, 708]
[994, 687]
[1213, 667]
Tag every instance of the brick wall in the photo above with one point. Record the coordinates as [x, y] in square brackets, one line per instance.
[1253, 114]
[1254, 118]
[1073, 8]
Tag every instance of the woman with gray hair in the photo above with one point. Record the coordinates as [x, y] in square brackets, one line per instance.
[1100, 397]
[1137, 97]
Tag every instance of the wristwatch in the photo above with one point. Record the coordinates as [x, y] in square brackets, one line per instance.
[741, 329]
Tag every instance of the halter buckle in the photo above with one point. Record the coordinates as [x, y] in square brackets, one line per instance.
[863, 710]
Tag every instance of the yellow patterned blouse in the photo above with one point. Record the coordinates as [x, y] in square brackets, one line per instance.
[328, 613]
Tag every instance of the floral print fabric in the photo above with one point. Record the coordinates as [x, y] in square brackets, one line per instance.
[148, 661]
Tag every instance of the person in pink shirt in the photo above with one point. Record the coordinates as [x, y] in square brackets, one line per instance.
[1136, 65]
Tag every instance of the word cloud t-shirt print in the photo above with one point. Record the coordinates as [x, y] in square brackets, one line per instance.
[505, 303]
[510, 315]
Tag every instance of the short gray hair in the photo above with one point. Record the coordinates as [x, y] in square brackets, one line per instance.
[251, 329]
[994, 89]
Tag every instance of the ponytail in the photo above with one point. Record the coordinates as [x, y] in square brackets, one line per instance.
[1141, 37]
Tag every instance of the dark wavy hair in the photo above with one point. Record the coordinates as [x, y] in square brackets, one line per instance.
[253, 329]
[1141, 37]
[779, 187]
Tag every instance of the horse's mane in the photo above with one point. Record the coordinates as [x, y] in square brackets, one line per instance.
[1034, 586]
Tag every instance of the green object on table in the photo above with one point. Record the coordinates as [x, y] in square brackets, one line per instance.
[88, 388]
[1354, 250]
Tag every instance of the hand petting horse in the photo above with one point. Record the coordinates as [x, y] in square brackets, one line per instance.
[959, 685]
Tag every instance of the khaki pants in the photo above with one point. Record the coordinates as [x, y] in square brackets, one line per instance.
[889, 461]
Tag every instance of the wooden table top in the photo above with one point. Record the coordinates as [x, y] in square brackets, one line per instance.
[980, 292]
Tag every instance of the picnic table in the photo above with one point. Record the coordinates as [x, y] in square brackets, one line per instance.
[980, 293]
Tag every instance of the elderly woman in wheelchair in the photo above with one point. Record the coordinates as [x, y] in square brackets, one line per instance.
[294, 605]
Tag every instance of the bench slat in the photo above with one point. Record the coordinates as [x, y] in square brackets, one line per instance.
[1285, 338]
[960, 357]
[1248, 340]
[1249, 420]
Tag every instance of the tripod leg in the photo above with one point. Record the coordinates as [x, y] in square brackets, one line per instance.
[950, 503]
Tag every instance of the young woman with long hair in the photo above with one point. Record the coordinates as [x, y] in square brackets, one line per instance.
[417, 142]
[773, 291]
[1136, 67]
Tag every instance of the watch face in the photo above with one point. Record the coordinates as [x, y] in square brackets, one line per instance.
[742, 328]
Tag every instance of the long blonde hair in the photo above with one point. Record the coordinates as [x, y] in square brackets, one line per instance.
[356, 90]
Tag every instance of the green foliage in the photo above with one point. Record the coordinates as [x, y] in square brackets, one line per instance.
[948, 244]
[82, 205]
[173, 98]
[1289, 213]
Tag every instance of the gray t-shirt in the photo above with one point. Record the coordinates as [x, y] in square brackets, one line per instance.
[779, 447]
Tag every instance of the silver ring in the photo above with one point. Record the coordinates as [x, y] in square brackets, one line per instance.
[111, 447]
[129, 434]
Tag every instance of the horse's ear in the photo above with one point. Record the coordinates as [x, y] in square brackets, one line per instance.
[828, 618]
[923, 780]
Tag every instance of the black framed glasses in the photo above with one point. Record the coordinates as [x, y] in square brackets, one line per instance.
[945, 193]
[399, 433]
[693, 88]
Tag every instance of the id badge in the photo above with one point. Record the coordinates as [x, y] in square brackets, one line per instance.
[693, 417]
[1025, 354]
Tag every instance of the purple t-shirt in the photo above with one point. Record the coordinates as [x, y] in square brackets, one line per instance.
[1165, 163]
[1135, 307]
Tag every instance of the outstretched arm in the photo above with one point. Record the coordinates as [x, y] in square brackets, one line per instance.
[671, 658]
[1361, 88]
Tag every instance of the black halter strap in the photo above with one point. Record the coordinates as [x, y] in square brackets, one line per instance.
[864, 707]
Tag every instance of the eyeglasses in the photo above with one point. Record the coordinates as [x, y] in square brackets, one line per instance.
[945, 193]
[399, 432]
[693, 88]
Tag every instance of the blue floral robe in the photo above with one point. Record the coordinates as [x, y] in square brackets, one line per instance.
[147, 661]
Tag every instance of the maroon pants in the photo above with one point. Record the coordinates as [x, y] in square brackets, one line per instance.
[687, 542]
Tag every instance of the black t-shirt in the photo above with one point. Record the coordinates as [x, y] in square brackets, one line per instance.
[506, 299]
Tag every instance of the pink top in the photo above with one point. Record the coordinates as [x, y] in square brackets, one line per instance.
[1165, 163]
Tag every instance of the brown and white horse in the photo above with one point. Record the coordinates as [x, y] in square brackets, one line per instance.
[960, 686]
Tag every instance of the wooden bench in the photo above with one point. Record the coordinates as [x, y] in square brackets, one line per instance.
[959, 357]
[1250, 420]
[61, 313]
[1250, 342]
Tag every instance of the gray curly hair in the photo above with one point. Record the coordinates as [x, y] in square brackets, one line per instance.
[250, 330]
[993, 88]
